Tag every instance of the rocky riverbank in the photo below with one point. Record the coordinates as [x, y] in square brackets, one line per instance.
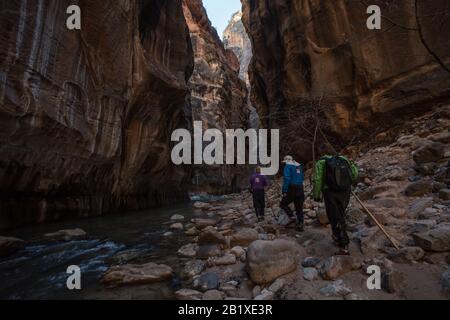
[227, 254]
[404, 182]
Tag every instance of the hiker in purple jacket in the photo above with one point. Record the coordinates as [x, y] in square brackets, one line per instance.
[258, 184]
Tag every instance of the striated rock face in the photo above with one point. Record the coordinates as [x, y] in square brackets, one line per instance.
[319, 56]
[235, 38]
[218, 95]
[86, 116]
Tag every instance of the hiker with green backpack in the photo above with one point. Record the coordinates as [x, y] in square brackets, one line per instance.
[334, 177]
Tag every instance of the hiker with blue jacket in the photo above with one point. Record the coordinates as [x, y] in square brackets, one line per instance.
[334, 177]
[293, 191]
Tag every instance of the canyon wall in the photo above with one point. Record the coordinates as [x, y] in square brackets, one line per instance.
[218, 97]
[317, 60]
[235, 38]
[86, 116]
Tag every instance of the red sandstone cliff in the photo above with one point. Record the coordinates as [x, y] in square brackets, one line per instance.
[86, 116]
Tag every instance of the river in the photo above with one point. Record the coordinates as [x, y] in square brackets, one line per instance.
[39, 270]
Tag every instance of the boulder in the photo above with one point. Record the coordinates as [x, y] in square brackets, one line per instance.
[392, 280]
[277, 286]
[204, 223]
[202, 205]
[406, 255]
[208, 250]
[133, 274]
[210, 235]
[419, 188]
[193, 268]
[177, 217]
[238, 251]
[266, 295]
[429, 152]
[437, 239]
[336, 266]
[188, 295]
[418, 206]
[67, 235]
[269, 260]
[244, 237]
[177, 226]
[322, 216]
[207, 281]
[336, 289]
[445, 279]
[444, 194]
[189, 250]
[310, 274]
[9, 245]
[214, 295]
[225, 260]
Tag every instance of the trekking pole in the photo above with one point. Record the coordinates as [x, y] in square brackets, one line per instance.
[394, 243]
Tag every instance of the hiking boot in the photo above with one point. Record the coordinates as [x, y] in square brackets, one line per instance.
[300, 228]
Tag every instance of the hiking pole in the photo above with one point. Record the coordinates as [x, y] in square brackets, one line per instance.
[394, 243]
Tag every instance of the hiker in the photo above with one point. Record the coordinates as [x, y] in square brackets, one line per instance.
[293, 191]
[258, 183]
[334, 177]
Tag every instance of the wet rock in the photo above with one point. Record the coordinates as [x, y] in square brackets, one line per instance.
[177, 226]
[207, 281]
[189, 250]
[214, 295]
[406, 255]
[8, 245]
[244, 237]
[336, 289]
[202, 205]
[269, 260]
[193, 268]
[225, 260]
[437, 239]
[192, 232]
[210, 235]
[208, 250]
[238, 251]
[418, 206]
[136, 274]
[444, 194]
[419, 188]
[336, 266]
[430, 152]
[204, 223]
[310, 262]
[188, 295]
[310, 274]
[177, 217]
[67, 235]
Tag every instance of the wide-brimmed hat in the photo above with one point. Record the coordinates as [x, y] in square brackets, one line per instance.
[288, 159]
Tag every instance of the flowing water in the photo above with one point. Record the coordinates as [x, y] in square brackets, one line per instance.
[39, 270]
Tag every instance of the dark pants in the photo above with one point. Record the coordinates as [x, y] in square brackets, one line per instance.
[296, 195]
[336, 203]
[259, 202]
